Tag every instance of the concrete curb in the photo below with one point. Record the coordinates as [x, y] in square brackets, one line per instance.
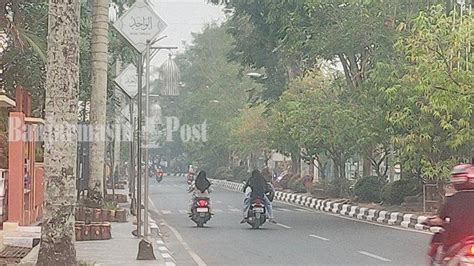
[372, 215]
[162, 250]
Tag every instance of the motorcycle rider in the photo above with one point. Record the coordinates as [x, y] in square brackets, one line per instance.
[201, 188]
[458, 208]
[258, 187]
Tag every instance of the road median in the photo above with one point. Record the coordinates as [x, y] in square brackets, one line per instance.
[400, 219]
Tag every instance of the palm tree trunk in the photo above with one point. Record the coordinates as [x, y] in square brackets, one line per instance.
[62, 85]
[99, 46]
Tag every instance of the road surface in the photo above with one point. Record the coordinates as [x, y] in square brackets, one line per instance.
[301, 237]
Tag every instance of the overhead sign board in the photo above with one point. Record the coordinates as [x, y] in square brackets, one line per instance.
[139, 25]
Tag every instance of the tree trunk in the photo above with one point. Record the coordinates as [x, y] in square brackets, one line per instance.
[99, 46]
[62, 84]
[295, 163]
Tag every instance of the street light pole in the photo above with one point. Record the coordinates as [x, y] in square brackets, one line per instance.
[149, 47]
[147, 128]
[139, 142]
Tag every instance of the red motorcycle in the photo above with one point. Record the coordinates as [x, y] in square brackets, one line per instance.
[461, 253]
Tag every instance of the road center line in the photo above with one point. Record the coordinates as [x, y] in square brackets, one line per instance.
[284, 226]
[319, 237]
[373, 256]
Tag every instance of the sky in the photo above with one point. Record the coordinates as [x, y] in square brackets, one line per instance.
[183, 18]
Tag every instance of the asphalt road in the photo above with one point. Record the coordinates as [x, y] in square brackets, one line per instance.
[301, 237]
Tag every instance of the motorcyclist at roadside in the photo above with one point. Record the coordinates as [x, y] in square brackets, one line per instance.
[458, 208]
[258, 187]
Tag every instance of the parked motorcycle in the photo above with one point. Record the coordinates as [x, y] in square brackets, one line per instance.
[460, 254]
[257, 215]
[200, 212]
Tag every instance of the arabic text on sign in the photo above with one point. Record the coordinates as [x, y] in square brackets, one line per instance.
[141, 23]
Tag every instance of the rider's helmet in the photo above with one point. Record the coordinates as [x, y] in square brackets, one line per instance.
[462, 177]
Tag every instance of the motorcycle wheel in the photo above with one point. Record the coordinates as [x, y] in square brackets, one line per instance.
[256, 225]
[200, 223]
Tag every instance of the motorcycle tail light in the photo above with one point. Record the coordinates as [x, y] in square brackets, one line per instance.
[202, 203]
[470, 250]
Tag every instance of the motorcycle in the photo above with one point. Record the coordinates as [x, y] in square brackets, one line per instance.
[159, 177]
[200, 213]
[190, 179]
[460, 254]
[270, 193]
[257, 215]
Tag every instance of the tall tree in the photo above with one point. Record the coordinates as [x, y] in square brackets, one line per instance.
[62, 83]
[99, 46]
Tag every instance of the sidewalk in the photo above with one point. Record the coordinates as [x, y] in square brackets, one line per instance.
[122, 249]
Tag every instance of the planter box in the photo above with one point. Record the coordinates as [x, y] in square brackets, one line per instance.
[89, 215]
[93, 231]
[121, 216]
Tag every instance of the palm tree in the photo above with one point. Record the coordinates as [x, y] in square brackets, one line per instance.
[62, 84]
[99, 46]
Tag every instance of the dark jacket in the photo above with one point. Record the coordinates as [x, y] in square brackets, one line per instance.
[202, 183]
[258, 185]
[459, 208]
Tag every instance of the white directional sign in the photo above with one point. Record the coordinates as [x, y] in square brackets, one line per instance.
[139, 25]
[128, 80]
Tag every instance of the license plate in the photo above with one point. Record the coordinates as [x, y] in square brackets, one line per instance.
[202, 210]
[258, 209]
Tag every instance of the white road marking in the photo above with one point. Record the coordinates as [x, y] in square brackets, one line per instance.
[284, 226]
[193, 254]
[319, 237]
[234, 210]
[373, 256]
[183, 211]
[165, 211]
[302, 210]
[217, 210]
[218, 201]
[168, 263]
[230, 207]
[166, 255]
[162, 248]
[152, 204]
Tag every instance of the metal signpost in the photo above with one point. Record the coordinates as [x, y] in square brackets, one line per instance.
[140, 25]
[127, 80]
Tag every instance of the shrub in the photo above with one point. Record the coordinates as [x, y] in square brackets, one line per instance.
[223, 173]
[296, 184]
[369, 189]
[395, 192]
[240, 173]
[337, 188]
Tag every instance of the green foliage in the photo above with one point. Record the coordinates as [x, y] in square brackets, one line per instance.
[24, 60]
[249, 131]
[432, 104]
[369, 189]
[215, 92]
[240, 173]
[223, 173]
[296, 184]
[395, 192]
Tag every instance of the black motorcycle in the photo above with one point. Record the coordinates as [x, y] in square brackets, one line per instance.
[200, 212]
[257, 215]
